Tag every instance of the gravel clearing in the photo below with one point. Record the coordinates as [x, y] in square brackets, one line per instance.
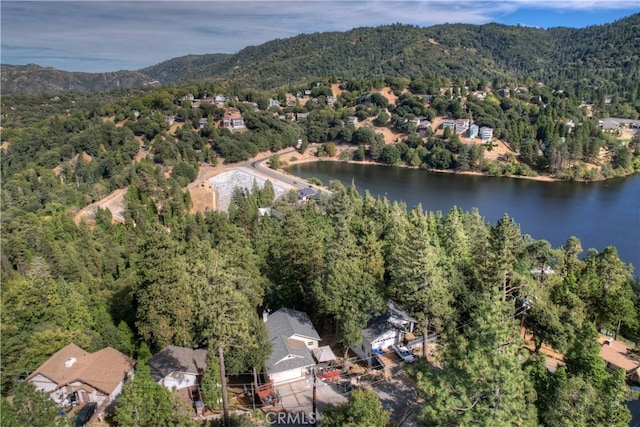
[226, 182]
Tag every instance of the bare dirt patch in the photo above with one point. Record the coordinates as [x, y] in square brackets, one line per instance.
[388, 94]
[335, 89]
[114, 202]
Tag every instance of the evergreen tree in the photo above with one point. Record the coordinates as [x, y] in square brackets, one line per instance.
[482, 381]
[362, 410]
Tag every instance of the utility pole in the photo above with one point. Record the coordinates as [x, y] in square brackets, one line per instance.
[314, 401]
[223, 383]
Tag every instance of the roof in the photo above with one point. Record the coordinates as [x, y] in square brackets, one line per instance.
[616, 353]
[324, 354]
[307, 192]
[103, 370]
[394, 318]
[290, 322]
[177, 359]
[287, 354]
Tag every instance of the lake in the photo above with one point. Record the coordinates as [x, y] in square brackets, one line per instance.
[599, 213]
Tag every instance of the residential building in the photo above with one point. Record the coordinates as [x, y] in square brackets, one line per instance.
[178, 367]
[353, 120]
[232, 119]
[451, 124]
[274, 102]
[293, 338]
[307, 193]
[486, 133]
[331, 100]
[393, 327]
[302, 116]
[170, 120]
[203, 122]
[473, 131]
[220, 99]
[73, 375]
[462, 125]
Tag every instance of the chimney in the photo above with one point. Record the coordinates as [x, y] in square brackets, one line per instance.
[265, 315]
[69, 362]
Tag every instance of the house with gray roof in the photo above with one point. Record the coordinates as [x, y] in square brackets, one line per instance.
[178, 367]
[392, 327]
[293, 337]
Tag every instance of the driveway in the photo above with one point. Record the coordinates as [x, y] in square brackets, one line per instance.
[399, 396]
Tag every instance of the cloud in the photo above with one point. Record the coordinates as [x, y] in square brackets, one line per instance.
[136, 34]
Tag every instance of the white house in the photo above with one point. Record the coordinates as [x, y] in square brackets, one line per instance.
[486, 133]
[293, 337]
[178, 367]
[392, 327]
[73, 375]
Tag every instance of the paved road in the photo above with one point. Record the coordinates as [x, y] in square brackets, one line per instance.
[295, 181]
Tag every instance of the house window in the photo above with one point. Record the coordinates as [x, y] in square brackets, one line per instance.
[310, 344]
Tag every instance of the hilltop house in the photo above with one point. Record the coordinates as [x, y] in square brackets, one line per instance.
[73, 375]
[293, 337]
[392, 327]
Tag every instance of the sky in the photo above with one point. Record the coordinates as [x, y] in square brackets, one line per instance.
[100, 36]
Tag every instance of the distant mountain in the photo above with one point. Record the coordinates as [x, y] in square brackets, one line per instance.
[605, 56]
[33, 79]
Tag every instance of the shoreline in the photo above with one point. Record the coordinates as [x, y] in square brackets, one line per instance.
[307, 158]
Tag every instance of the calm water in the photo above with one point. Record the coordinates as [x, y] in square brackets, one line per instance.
[598, 213]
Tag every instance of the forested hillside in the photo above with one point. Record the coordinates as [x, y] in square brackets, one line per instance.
[163, 275]
[603, 58]
[166, 276]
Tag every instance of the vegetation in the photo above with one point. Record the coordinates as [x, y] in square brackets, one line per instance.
[162, 275]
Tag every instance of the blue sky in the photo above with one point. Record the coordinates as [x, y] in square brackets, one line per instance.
[98, 36]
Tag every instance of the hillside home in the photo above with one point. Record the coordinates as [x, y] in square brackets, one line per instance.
[302, 116]
[73, 375]
[220, 99]
[170, 120]
[473, 131]
[331, 100]
[232, 119]
[352, 120]
[393, 327]
[203, 122]
[462, 125]
[274, 102]
[451, 124]
[486, 133]
[293, 338]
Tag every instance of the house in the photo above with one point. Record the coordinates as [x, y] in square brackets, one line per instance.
[353, 120]
[331, 100]
[274, 102]
[293, 337]
[390, 328]
[451, 124]
[232, 119]
[203, 122]
[462, 125]
[486, 133]
[220, 99]
[73, 375]
[302, 116]
[178, 367]
[616, 355]
[473, 131]
[170, 120]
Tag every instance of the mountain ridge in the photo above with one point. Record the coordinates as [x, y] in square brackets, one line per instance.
[455, 50]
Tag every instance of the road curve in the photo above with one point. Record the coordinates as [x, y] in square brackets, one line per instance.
[294, 181]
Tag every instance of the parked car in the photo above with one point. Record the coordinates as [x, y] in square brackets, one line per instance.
[85, 414]
[404, 353]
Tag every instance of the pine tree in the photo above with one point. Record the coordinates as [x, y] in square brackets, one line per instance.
[482, 381]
